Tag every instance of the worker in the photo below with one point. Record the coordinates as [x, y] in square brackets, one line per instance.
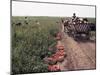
[74, 17]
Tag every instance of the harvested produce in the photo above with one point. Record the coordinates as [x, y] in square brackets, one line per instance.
[58, 36]
[51, 60]
[60, 53]
[60, 47]
[60, 58]
[54, 68]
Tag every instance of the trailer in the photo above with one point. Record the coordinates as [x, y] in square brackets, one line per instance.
[79, 29]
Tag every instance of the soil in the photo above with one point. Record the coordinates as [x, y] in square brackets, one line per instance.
[80, 55]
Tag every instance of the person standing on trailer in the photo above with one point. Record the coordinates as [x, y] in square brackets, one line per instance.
[74, 17]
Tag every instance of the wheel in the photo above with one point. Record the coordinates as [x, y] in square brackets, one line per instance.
[87, 36]
[73, 34]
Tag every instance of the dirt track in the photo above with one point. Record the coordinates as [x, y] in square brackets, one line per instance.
[80, 55]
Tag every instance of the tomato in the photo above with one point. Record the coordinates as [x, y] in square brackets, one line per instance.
[60, 58]
[60, 47]
[59, 34]
[53, 67]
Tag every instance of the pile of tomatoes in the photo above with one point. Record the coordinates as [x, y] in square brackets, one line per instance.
[58, 56]
[60, 53]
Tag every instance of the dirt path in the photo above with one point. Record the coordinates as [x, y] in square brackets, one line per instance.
[79, 55]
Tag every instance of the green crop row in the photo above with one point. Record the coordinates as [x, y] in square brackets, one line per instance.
[30, 43]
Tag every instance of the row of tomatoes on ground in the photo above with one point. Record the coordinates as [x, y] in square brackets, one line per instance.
[57, 57]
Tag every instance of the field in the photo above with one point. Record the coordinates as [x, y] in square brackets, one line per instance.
[31, 39]
[30, 43]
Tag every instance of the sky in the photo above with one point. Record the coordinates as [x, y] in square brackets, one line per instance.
[44, 9]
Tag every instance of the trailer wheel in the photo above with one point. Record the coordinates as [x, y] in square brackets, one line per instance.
[88, 36]
[74, 35]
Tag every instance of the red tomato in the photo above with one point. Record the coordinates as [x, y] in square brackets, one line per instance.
[60, 47]
[59, 34]
[53, 67]
[60, 58]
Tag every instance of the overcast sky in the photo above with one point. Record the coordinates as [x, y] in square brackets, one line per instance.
[41, 9]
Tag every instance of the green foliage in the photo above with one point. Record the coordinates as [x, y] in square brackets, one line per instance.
[30, 43]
